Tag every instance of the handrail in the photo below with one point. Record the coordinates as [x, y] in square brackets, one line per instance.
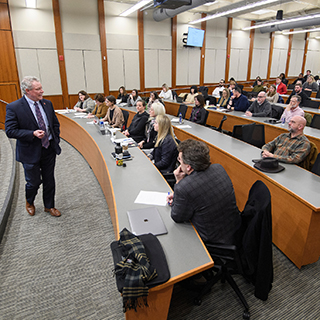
[5, 102]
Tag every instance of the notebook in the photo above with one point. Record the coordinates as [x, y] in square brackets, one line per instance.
[146, 220]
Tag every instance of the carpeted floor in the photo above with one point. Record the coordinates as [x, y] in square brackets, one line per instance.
[61, 268]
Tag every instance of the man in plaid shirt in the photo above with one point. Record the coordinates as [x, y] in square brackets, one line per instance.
[291, 147]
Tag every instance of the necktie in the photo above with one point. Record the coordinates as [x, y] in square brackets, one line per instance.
[42, 126]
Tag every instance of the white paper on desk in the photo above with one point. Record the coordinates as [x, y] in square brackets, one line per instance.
[80, 116]
[62, 111]
[184, 126]
[129, 140]
[175, 120]
[90, 122]
[152, 198]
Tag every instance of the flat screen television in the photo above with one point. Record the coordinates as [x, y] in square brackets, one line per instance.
[195, 37]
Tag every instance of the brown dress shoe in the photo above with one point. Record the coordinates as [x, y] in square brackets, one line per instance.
[53, 211]
[30, 208]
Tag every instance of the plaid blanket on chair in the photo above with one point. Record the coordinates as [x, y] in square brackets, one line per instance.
[136, 269]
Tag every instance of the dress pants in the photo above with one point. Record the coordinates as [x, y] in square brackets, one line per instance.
[41, 172]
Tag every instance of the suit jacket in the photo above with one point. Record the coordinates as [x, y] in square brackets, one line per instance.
[20, 124]
[207, 199]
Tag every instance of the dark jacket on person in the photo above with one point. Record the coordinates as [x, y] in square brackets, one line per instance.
[303, 96]
[124, 98]
[165, 155]
[136, 128]
[241, 103]
[198, 115]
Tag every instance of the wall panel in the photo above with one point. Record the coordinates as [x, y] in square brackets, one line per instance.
[27, 63]
[164, 67]
[75, 71]
[131, 69]
[116, 69]
[151, 58]
[93, 71]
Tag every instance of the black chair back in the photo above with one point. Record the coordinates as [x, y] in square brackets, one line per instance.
[251, 133]
[311, 104]
[125, 116]
[221, 123]
[183, 110]
[291, 86]
[206, 117]
[204, 91]
[316, 166]
[276, 111]
[315, 123]
[212, 100]
[318, 94]
[240, 86]
[307, 92]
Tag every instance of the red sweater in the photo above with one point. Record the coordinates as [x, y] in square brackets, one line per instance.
[282, 88]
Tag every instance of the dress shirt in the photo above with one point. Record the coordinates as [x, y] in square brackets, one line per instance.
[260, 110]
[44, 116]
[288, 114]
[287, 149]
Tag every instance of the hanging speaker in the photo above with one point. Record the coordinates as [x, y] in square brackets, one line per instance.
[279, 15]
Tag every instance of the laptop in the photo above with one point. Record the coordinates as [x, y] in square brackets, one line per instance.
[146, 220]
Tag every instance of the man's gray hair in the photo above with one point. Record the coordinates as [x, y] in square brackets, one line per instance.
[26, 83]
[297, 97]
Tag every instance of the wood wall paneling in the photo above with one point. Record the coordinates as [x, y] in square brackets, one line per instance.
[60, 52]
[203, 50]
[4, 17]
[174, 51]
[306, 43]
[252, 32]
[8, 92]
[289, 53]
[141, 49]
[229, 36]
[103, 45]
[270, 54]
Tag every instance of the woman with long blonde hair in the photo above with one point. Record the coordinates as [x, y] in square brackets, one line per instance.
[165, 152]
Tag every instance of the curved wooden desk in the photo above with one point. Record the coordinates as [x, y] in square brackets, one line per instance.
[294, 192]
[185, 252]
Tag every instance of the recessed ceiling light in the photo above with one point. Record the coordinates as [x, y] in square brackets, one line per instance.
[31, 3]
[262, 11]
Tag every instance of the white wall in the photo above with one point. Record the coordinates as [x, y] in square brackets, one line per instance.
[280, 53]
[260, 55]
[297, 51]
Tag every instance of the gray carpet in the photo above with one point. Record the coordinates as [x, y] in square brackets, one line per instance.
[61, 268]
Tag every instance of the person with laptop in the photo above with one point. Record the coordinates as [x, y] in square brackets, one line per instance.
[204, 195]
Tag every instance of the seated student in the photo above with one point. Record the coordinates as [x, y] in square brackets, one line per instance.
[198, 113]
[224, 99]
[255, 82]
[123, 96]
[133, 98]
[136, 128]
[258, 87]
[292, 109]
[310, 84]
[85, 103]
[298, 90]
[260, 107]
[238, 101]
[166, 93]
[114, 114]
[292, 147]
[300, 78]
[165, 150]
[282, 76]
[149, 141]
[272, 94]
[101, 108]
[204, 195]
[307, 75]
[281, 87]
[232, 85]
[217, 91]
[152, 99]
[193, 93]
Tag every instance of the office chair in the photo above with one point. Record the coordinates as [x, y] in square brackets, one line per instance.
[240, 86]
[176, 97]
[318, 94]
[291, 86]
[315, 123]
[310, 159]
[311, 104]
[183, 110]
[276, 111]
[308, 117]
[125, 116]
[206, 117]
[316, 167]
[204, 91]
[307, 92]
[224, 118]
[251, 133]
[212, 100]
[251, 253]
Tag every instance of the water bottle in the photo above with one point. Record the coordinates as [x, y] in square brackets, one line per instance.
[102, 127]
[119, 154]
[180, 118]
[283, 122]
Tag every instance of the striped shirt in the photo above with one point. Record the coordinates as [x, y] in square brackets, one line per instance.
[287, 149]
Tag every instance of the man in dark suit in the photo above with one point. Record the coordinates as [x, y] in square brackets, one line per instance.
[32, 121]
[204, 194]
